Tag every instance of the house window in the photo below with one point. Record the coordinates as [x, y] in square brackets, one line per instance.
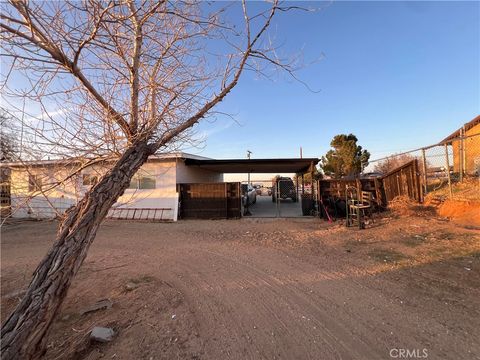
[133, 184]
[34, 183]
[89, 179]
[146, 182]
[142, 182]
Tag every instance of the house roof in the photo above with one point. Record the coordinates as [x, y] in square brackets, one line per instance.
[73, 161]
[289, 165]
[467, 127]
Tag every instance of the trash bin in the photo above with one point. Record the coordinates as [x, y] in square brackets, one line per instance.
[307, 204]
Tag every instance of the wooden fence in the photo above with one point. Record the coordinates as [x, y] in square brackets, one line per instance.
[402, 181]
[210, 201]
[336, 188]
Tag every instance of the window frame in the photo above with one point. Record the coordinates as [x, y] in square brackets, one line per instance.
[149, 178]
[137, 184]
[133, 180]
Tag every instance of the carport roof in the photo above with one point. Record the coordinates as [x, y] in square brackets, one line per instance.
[295, 165]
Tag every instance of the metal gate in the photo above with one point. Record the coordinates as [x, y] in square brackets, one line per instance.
[286, 199]
[209, 201]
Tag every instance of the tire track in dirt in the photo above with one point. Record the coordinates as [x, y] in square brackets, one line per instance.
[401, 325]
[245, 298]
[259, 303]
[332, 333]
[284, 315]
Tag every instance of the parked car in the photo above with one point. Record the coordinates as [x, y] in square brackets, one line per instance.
[258, 189]
[249, 192]
[369, 175]
[284, 188]
[266, 191]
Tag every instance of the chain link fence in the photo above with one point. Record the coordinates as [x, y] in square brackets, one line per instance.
[450, 169]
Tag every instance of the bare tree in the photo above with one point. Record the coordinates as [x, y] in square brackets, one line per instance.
[8, 140]
[392, 162]
[130, 78]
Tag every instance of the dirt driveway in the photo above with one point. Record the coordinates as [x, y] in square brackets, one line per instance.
[264, 289]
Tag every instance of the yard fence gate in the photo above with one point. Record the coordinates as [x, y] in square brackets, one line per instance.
[210, 200]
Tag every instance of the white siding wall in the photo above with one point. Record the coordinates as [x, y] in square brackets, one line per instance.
[25, 205]
[163, 196]
[192, 174]
[167, 173]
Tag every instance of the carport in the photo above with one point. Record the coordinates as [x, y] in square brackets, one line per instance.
[264, 206]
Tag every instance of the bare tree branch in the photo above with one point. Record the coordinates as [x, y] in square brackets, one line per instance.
[118, 81]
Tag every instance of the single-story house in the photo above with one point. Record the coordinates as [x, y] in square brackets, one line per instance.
[166, 187]
[152, 194]
[466, 148]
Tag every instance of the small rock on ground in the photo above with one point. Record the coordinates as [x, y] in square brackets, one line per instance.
[131, 286]
[99, 305]
[102, 334]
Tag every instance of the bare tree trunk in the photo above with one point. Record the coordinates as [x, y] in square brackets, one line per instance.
[24, 334]
[175, 84]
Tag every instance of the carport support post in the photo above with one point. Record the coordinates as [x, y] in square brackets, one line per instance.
[296, 181]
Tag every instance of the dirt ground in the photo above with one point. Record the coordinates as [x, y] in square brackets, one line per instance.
[264, 289]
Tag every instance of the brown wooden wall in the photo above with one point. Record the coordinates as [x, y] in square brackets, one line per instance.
[403, 181]
[336, 188]
[210, 201]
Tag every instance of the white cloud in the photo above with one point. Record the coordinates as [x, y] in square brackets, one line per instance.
[204, 134]
[45, 115]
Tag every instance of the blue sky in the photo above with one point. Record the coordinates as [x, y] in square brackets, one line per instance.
[399, 75]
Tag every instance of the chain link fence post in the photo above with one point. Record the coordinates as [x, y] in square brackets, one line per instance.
[448, 171]
[461, 165]
[424, 177]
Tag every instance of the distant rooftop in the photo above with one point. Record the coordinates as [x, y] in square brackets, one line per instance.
[466, 126]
